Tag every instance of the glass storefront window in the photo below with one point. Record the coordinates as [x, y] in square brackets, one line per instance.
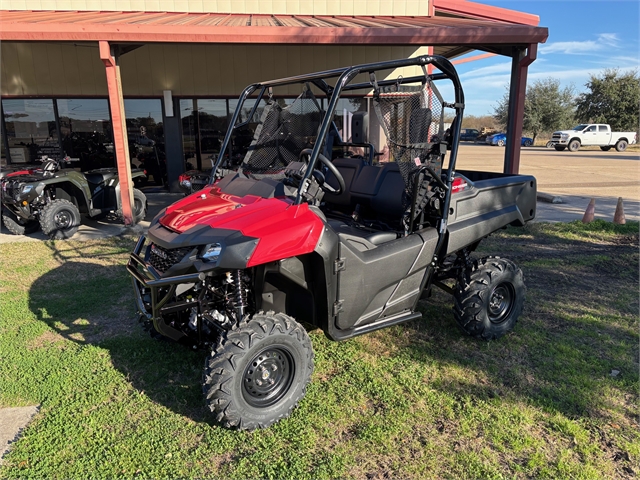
[85, 126]
[30, 129]
[145, 132]
[188, 116]
[213, 122]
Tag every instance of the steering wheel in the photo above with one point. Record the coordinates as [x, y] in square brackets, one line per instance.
[332, 168]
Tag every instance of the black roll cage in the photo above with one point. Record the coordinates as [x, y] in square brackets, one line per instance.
[346, 75]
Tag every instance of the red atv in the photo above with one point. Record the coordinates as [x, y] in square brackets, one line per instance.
[302, 234]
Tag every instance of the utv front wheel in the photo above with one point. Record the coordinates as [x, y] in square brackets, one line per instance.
[489, 297]
[17, 225]
[60, 219]
[258, 372]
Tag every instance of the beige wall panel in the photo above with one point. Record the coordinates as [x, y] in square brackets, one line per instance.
[213, 68]
[157, 72]
[224, 6]
[136, 5]
[291, 7]
[187, 68]
[129, 75]
[27, 72]
[87, 74]
[12, 84]
[227, 79]
[71, 73]
[172, 68]
[199, 75]
[40, 66]
[79, 4]
[143, 67]
[267, 67]
[56, 69]
[167, 6]
[279, 7]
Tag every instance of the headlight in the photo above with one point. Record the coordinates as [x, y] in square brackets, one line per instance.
[185, 183]
[211, 252]
[25, 190]
[565, 135]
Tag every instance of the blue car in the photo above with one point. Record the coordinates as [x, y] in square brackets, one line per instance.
[500, 139]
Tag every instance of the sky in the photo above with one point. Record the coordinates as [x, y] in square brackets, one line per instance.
[585, 38]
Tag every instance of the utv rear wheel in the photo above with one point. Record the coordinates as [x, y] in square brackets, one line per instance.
[489, 297]
[60, 219]
[258, 372]
[17, 225]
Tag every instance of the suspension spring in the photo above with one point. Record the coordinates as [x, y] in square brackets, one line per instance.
[240, 295]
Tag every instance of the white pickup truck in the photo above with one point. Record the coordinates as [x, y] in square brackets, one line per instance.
[592, 134]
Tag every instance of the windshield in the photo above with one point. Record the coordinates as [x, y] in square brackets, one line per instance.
[580, 127]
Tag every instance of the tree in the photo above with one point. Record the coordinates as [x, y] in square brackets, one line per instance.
[613, 98]
[547, 107]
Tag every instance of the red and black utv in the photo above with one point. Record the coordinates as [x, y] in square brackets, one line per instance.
[300, 234]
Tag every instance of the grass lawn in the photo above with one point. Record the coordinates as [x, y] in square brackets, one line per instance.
[556, 398]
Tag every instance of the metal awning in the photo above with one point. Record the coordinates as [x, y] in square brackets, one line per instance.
[450, 36]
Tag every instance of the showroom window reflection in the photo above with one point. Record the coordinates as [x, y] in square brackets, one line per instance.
[30, 127]
[145, 131]
[85, 128]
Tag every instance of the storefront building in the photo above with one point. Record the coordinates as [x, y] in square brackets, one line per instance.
[153, 83]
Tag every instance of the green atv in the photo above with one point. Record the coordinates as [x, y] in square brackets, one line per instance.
[53, 198]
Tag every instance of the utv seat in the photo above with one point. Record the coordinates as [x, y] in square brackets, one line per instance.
[349, 168]
[360, 238]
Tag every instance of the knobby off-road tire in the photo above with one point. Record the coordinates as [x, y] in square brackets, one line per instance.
[60, 219]
[621, 145]
[139, 207]
[489, 297]
[17, 225]
[258, 372]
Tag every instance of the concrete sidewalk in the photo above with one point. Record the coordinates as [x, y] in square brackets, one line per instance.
[573, 207]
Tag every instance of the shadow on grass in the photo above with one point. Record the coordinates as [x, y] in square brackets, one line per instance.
[579, 325]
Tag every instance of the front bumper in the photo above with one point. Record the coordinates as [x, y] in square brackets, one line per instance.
[147, 279]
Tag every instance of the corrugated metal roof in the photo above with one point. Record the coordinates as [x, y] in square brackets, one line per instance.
[149, 27]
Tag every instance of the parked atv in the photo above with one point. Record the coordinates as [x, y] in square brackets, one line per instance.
[293, 237]
[52, 198]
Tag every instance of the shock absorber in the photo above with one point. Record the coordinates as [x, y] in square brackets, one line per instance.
[240, 295]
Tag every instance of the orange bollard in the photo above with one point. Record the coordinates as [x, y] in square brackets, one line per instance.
[589, 212]
[618, 217]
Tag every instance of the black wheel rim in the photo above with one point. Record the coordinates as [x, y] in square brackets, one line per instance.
[63, 219]
[501, 302]
[268, 376]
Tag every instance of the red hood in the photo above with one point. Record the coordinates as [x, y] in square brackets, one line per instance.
[219, 210]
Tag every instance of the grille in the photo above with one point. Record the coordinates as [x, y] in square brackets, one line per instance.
[556, 136]
[162, 259]
[198, 182]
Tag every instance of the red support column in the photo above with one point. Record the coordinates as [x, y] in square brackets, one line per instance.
[120, 141]
[517, 91]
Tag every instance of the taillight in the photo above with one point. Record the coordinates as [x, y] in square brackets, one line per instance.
[458, 185]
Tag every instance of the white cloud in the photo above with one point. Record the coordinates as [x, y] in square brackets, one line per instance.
[605, 41]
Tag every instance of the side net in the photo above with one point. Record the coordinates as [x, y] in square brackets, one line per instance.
[283, 132]
[412, 118]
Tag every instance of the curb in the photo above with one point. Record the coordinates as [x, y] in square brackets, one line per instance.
[549, 198]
